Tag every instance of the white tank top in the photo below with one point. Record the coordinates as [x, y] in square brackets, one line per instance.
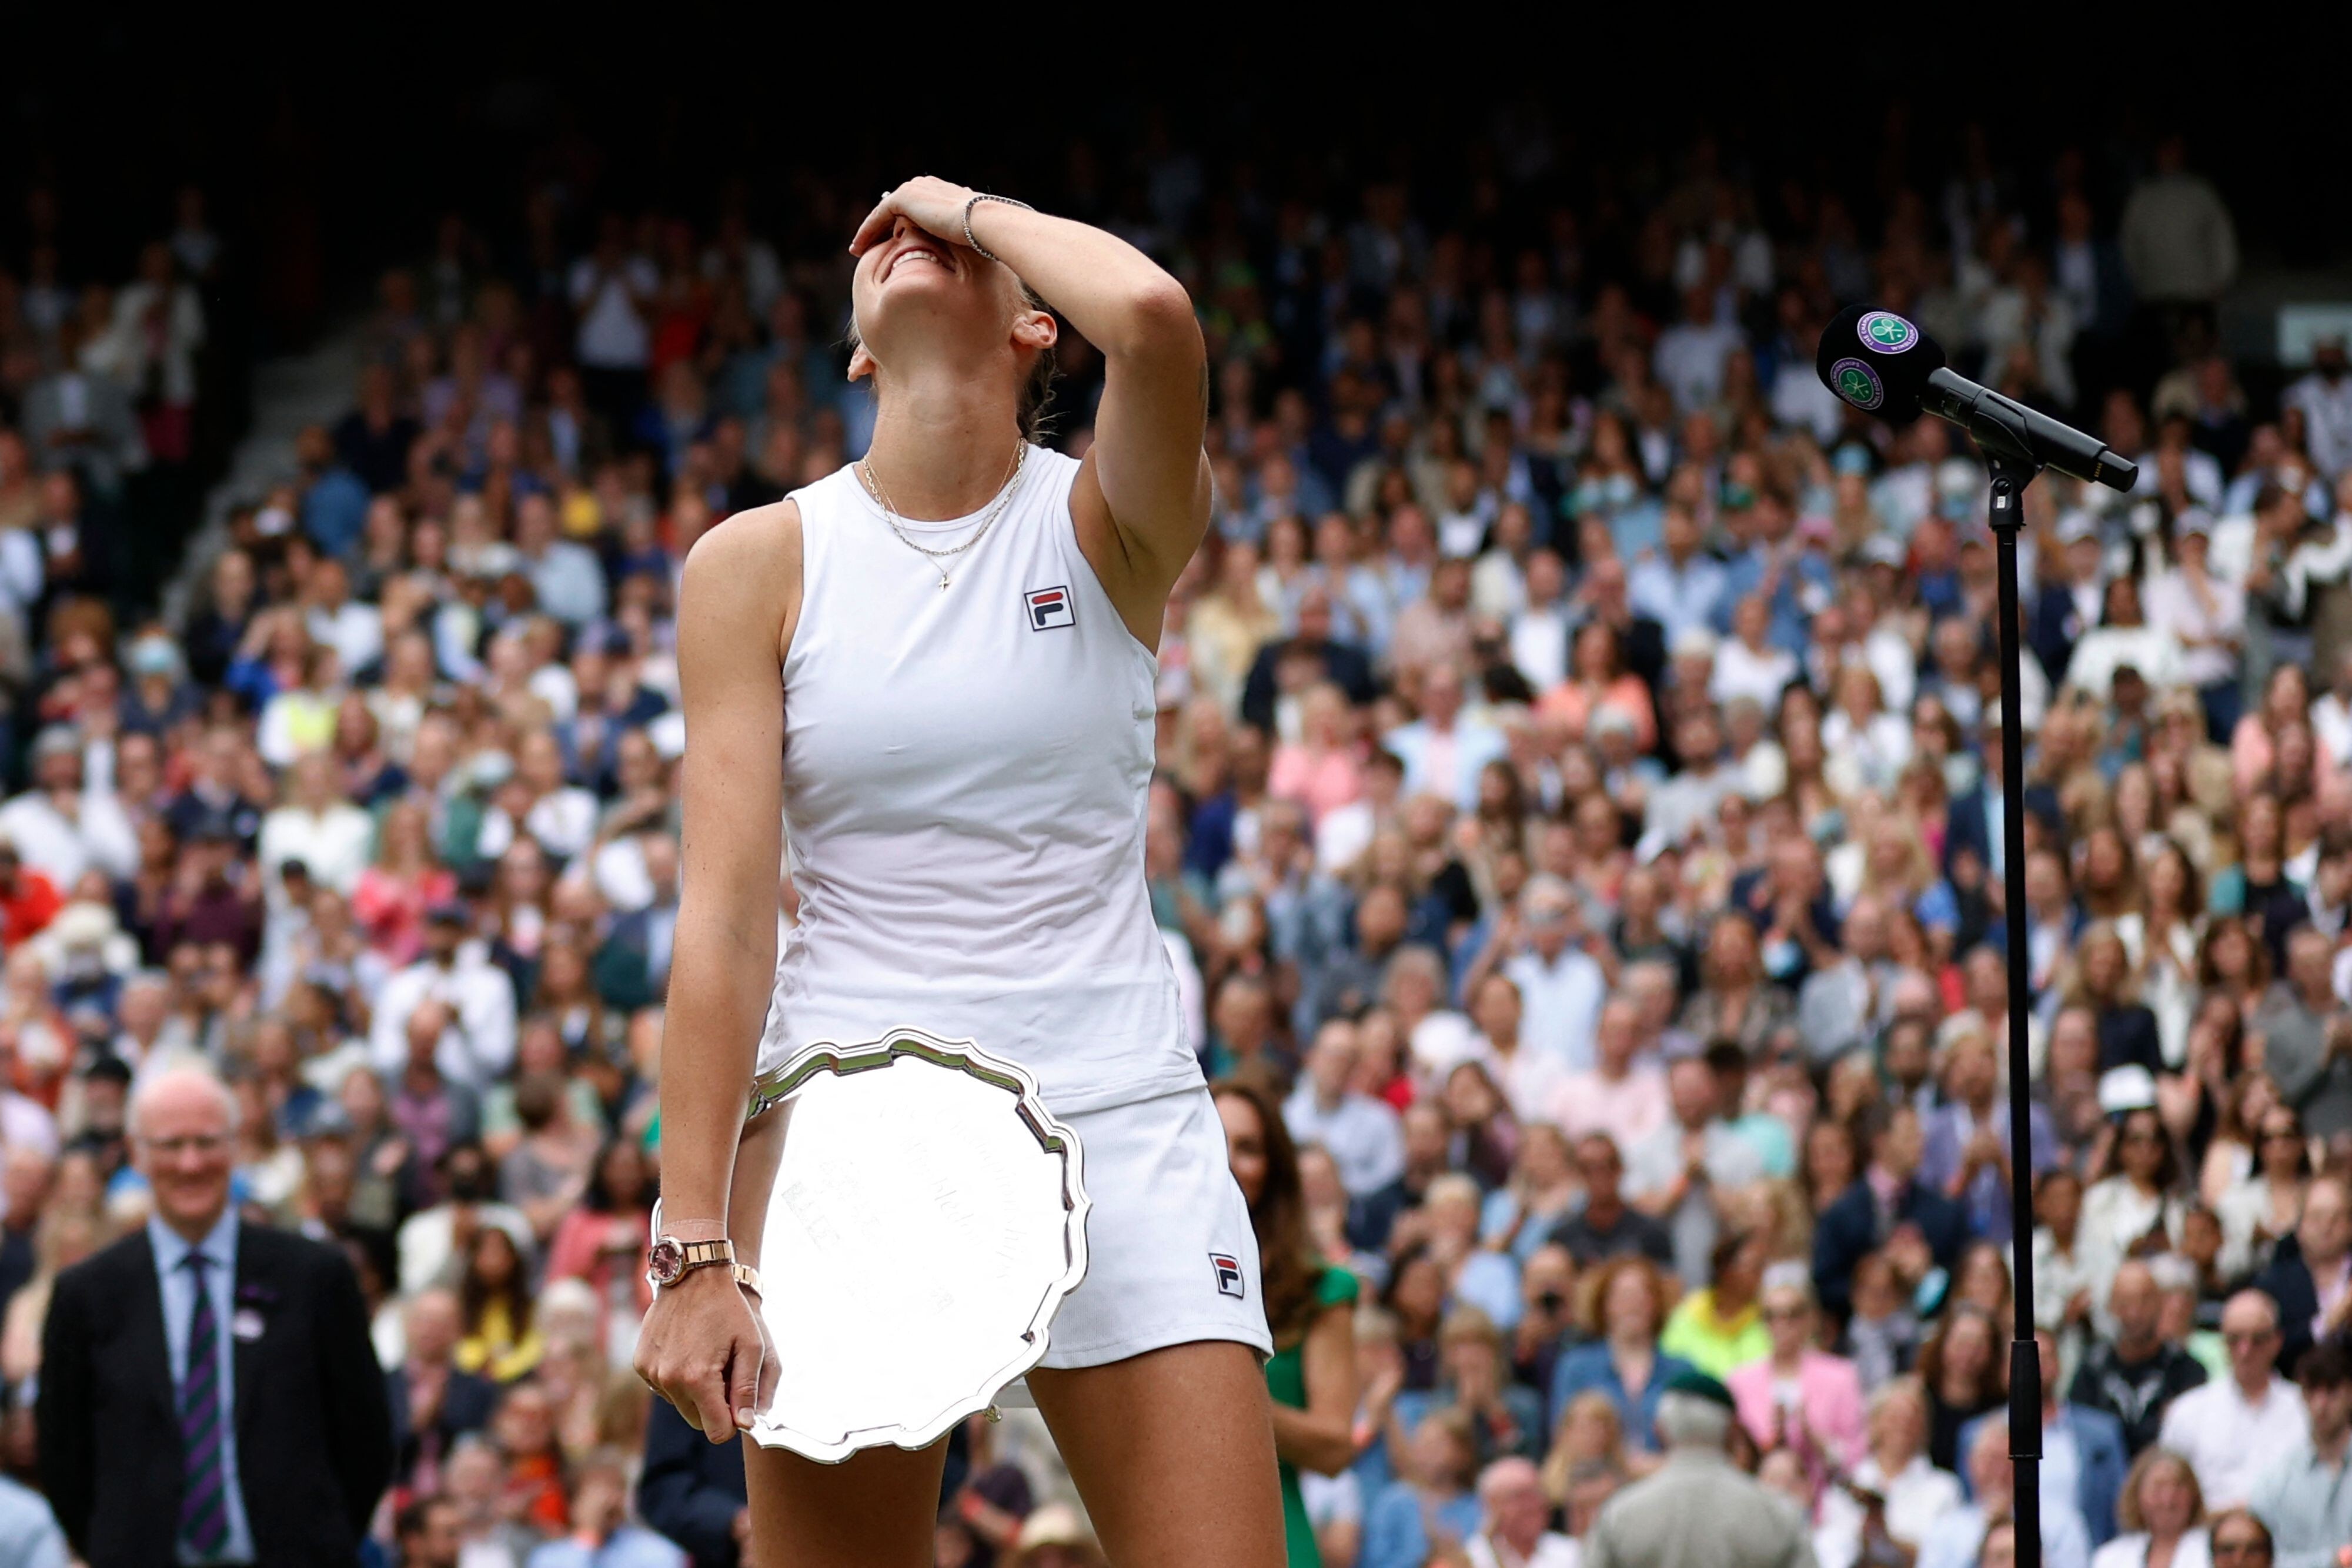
[965, 775]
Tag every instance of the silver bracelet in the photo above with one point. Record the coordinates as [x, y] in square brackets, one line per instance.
[978, 197]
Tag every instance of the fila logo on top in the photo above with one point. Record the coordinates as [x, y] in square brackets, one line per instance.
[1229, 1274]
[1049, 606]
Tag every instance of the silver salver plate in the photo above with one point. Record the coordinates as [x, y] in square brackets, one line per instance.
[928, 1218]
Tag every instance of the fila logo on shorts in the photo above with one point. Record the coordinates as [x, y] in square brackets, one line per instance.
[1049, 606]
[1229, 1274]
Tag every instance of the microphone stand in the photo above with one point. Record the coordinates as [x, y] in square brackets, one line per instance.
[2011, 472]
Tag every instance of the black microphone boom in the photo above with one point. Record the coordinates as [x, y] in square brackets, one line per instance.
[1883, 364]
[2000, 422]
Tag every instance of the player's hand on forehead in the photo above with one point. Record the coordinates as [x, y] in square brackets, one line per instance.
[932, 205]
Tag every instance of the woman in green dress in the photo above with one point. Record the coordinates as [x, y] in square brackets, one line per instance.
[1310, 1305]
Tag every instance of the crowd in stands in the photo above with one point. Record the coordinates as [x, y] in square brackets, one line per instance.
[1578, 810]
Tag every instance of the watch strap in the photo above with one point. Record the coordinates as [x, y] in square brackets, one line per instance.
[704, 1254]
[747, 1277]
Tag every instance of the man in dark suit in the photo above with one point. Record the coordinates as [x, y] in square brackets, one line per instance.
[2320, 1249]
[208, 1391]
[1343, 664]
[632, 968]
[1970, 824]
[692, 1490]
[1887, 1197]
[2069, 603]
[433, 1403]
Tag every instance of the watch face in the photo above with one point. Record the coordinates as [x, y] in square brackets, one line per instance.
[666, 1263]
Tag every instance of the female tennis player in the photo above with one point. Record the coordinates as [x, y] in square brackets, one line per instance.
[951, 644]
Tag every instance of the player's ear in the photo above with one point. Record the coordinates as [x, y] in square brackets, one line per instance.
[861, 363]
[1035, 331]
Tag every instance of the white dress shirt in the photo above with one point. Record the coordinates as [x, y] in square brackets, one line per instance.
[564, 821]
[353, 629]
[479, 1043]
[61, 847]
[1918, 1496]
[1553, 1550]
[1540, 645]
[1559, 1003]
[2228, 1439]
[334, 844]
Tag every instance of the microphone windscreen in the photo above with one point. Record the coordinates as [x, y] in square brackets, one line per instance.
[1877, 361]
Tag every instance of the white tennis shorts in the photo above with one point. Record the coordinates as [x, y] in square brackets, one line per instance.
[1170, 1257]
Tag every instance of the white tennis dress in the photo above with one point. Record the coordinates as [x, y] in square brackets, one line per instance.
[965, 774]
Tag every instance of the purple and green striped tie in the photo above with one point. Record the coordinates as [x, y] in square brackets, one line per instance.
[204, 1497]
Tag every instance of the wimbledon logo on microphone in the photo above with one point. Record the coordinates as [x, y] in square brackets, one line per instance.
[1885, 332]
[1858, 384]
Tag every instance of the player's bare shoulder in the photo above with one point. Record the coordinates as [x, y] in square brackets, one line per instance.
[742, 579]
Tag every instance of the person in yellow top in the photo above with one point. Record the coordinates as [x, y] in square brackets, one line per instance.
[500, 1341]
[1720, 1328]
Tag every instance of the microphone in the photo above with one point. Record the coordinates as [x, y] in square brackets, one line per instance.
[1884, 365]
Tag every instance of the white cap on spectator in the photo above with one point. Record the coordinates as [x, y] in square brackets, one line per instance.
[2130, 1087]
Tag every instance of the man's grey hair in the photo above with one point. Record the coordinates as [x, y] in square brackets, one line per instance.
[1544, 887]
[1689, 1421]
[175, 1069]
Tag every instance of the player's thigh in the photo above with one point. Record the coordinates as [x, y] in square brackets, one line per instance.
[1173, 1452]
[874, 1509]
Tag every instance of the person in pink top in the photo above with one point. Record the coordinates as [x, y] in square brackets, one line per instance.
[1618, 1095]
[2255, 743]
[1324, 768]
[1598, 679]
[392, 895]
[1799, 1396]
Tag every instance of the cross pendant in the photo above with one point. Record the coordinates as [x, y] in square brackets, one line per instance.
[944, 585]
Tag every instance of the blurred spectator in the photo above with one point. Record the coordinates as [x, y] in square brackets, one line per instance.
[1430, 1504]
[1953, 1540]
[1625, 1310]
[1361, 1133]
[1892, 1495]
[433, 1403]
[2239, 1537]
[467, 1007]
[2178, 240]
[29, 1529]
[2134, 1374]
[2300, 1495]
[1513, 1514]
[2232, 1429]
[600, 1535]
[1053, 1537]
[1607, 1226]
[2162, 1514]
[2310, 1276]
[692, 1490]
[1698, 1507]
[2085, 1457]
[1796, 1395]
